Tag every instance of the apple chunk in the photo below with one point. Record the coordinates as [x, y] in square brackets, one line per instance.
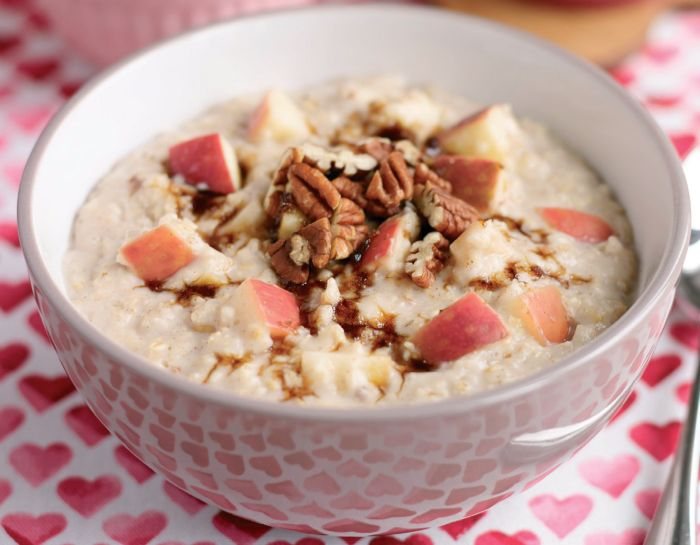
[476, 180]
[544, 316]
[461, 328]
[488, 133]
[208, 160]
[278, 118]
[157, 254]
[580, 225]
[391, 242]
[270, 306]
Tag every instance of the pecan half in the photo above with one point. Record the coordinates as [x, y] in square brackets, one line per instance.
[390, 185]
[274, 197]
[287, 267]
[379, 148]
[423, 175]
[348, 229]
[351, 190]
[313, 193]
[444, 212]
[426, 258]
[317, 236]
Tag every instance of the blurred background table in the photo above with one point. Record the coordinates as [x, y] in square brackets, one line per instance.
[64, 480]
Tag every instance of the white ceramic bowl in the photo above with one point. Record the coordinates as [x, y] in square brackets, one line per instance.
[362, 471]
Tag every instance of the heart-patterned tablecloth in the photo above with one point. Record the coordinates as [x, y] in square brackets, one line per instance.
[64, 480]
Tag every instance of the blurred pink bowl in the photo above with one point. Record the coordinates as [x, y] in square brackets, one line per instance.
[104, 31]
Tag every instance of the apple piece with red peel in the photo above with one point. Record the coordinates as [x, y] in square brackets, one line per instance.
[391, 243]
[488, 133]
[580, 225]
[278, 118]
[157, 254]
[476, 180]
[466, 325]
[208, 160]
[544, 315]
[269, 306]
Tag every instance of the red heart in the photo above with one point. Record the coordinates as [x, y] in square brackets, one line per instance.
[660, 367]
[499, 538]
[687, 333]
[37, 68]
[612, 476]
[34, 321]
[190, 504]
[238, 530]
[683, 392]
[623, 75]
[9, 42]
[12, 357]
[628, 537]
[36, 464]
[8, 233]
[5, 490]
[625, 405]
[42, 392]
[14, 294]
[86, 425]
[658, 441]
[646, 501]
[413, 539]
[27, 529]
[302, 541]
[69, 88]
[134, 467]
[561, 516]
[88, 497]
[129, 530]
[10, 419]
[664, 101]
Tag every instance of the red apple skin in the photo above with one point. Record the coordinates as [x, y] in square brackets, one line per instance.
[157, 254]
[580, 225]
[544, 315]
[461, 328]
[474, 179]
[204, 160]
[381, 243]
[276, 306]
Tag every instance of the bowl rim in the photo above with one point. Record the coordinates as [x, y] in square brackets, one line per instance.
[667, 271]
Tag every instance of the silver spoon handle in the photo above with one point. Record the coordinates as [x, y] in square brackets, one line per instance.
[675, 518]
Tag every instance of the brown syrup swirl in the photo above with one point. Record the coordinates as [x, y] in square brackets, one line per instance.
[184, 295]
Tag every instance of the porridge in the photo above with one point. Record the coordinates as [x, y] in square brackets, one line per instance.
[361, 242]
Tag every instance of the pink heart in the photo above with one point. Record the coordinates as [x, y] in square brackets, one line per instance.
[86, 425]
[14, 294]
[561, 516]
[88, 497]
[625, 405]
[12, 357]
[10, 419]
[612, 476]
[8, 233]
[646, 501]
[658, 441]
[34, 321]
[36, 464]
[42, 391]
[135, 530]
[189, 504]
[12, 172]
[660, 367]
[238, 530]
[660, 53]
[683, 392]
[5, 490]
[686, 333]
[28, 529]
[628, 537]
[499, 538]
[134, 467]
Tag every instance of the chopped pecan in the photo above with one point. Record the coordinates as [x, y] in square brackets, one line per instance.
[348, 228]
[274, 198]
[389, 186]
[313, 193]
[317, 237]
[423, 175]
[351, 190]
[285, 265]
[426, 258]
[444, 212]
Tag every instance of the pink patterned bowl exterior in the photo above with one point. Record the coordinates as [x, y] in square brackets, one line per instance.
[367, 471]
[104, 31]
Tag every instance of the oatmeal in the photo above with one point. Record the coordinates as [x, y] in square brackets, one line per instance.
[362, 242]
